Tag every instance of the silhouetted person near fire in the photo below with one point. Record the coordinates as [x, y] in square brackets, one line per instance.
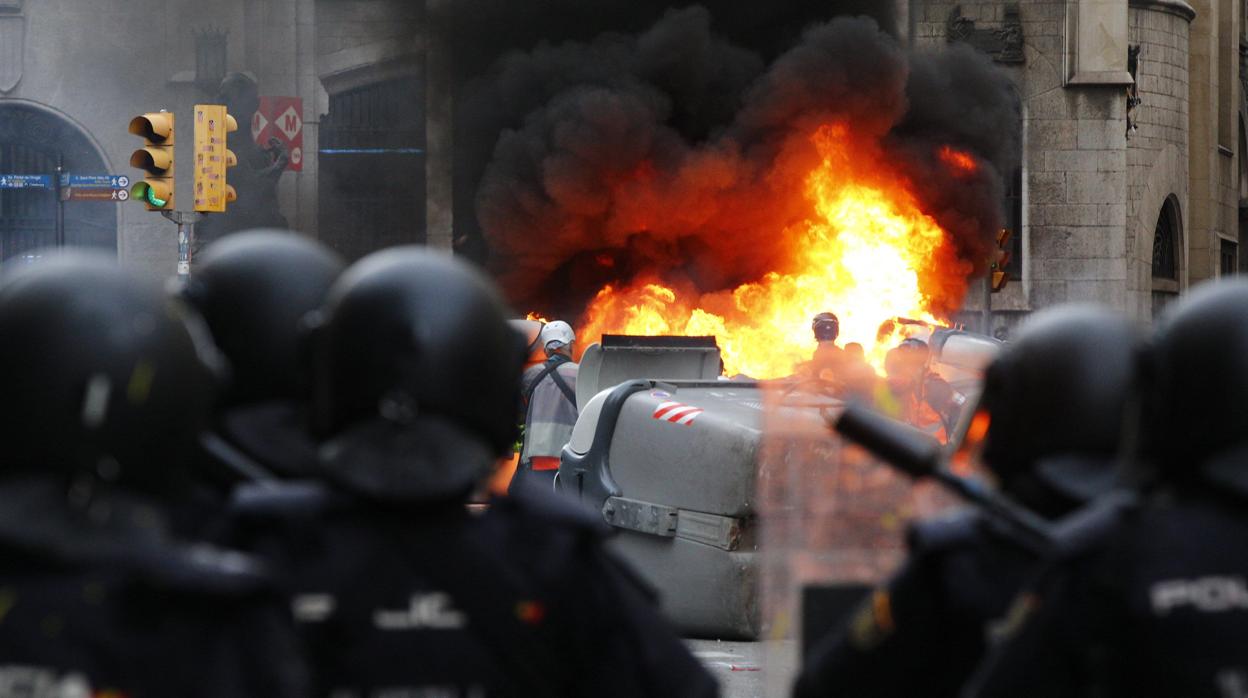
[860, 377]
[827, 363]
[914, 394]
[549, 399]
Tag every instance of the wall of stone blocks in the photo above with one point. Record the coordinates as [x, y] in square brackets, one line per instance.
[1157, 153]
[1213, 141]
[356, 37]
[1075, 164]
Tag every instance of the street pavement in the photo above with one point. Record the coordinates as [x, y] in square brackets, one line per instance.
[747, 669]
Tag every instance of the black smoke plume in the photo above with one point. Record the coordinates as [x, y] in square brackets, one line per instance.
[673, 151]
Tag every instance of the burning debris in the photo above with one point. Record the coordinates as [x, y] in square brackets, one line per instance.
[674, 189]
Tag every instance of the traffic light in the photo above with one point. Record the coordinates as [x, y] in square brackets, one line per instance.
[156, 159]
[1001, 258]
[213, 158]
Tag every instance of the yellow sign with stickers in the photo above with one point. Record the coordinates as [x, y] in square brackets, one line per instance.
[213, 158]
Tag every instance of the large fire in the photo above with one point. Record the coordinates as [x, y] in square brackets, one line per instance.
[866, 252]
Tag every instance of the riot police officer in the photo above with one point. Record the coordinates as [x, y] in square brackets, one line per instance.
[1149, 598]
[1054, 401]
[254, 289]
[399, 587]
[107, 383]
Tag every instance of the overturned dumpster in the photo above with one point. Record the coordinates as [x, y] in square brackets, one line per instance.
[668, 453]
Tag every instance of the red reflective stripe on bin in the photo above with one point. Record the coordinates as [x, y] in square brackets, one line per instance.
[677, 413]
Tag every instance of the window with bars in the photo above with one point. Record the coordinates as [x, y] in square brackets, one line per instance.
[1167, 237]
[1164, 243]
[1229, 258]
[372, 167]
[1014, 222]
[34, 142]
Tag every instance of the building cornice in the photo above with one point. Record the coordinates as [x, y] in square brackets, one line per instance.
[1174, 7]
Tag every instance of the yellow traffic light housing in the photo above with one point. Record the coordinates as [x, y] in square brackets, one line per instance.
[156, 159]
[213, 158]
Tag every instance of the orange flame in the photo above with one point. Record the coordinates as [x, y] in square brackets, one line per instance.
[960, 162]
[867, 252]
[537, 317]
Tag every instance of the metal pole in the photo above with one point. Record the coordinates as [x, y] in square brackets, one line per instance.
[186, 221]
[60, 201]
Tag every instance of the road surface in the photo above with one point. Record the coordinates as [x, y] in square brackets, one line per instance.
[747, 669]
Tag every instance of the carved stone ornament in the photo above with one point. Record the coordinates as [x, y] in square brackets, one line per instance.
[12, 50]
[1005, 45]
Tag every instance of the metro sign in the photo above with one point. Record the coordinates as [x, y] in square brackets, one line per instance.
[281, 118]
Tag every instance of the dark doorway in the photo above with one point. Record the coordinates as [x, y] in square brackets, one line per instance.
[1167, 241]
[1228, 257]
[372, 167]
[32, 142]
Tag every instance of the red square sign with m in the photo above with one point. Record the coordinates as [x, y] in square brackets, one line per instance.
[281, 118]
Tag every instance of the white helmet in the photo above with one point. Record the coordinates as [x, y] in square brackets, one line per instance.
[557, 335]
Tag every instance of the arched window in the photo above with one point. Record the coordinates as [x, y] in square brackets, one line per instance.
[1167, 238]
[34, 142]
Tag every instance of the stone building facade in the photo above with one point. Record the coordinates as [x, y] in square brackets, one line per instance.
[1129, 187]
[73, 72]
[1130, 180]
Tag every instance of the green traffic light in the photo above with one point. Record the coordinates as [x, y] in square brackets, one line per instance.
[144, 192]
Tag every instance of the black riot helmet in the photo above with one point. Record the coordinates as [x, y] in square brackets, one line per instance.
[254, 289]
[826, 326]
[102, 374]
[1195, 423]
[413, 341]
[1056, 399]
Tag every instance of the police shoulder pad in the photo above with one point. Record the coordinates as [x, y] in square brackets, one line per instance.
[943, 533]
[203, 568]
[270, 500]
[539, 504]
[1090, 527]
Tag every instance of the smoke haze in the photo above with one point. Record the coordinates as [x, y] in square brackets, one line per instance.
[676, 151]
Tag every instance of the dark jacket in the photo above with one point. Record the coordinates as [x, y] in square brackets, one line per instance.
[122, 610]
[924, 632]
[522, 600]
[1147, 600]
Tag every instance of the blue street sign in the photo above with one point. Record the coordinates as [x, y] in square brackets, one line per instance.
[104, 181]
[25, 181]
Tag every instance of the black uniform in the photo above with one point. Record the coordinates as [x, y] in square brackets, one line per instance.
[123, 611]
[254, 290]
[1151, 601]
[925, 631]
[522, 600]
[107, 385]
[1055, 399]
[400, 590]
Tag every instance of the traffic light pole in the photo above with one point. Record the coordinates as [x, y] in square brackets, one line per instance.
[186, 221]
[60, 201]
